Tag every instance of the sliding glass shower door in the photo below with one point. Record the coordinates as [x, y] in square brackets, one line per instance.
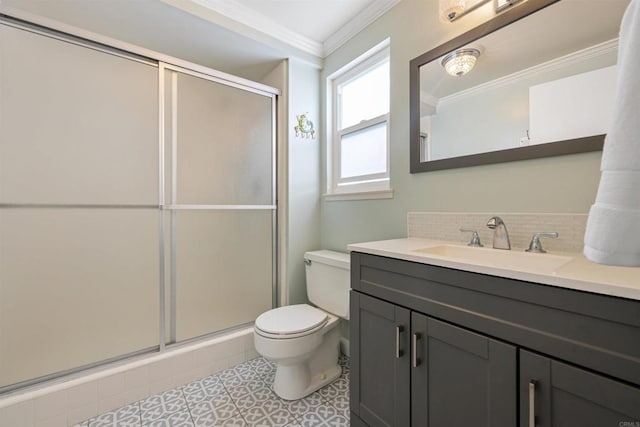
[79, 217]
[220, 198]
[137, 204]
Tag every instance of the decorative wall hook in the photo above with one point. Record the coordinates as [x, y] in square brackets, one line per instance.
[304, 128]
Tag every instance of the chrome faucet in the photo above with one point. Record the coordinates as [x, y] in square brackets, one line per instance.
[500, 234]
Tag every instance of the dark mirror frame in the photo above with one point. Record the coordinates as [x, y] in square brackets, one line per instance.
[572, 146]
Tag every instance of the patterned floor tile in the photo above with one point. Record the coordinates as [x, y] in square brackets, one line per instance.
[204, 389]
[218, 408]
[177, 419]
[127, 416]
[270, 413]
[238, 378]
[241, 372]
[343, 360]
[162, 405]
[245, 388]
[233, 422]
[206, 421]
[268, 377]
[341, 402]
[323, 415]
[236, 397]
[258, 361]
[345, 368]
[255, 397]
[339, 387]
[304, 405]
[262, 366]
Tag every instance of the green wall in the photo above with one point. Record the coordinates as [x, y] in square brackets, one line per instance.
[560, 184]
[303, 177]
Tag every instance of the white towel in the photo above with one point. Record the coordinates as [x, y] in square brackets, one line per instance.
[613, 226]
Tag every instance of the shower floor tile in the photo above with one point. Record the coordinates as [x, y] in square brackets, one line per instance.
[239, 396]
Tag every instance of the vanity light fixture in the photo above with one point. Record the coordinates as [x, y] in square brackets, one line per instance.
[450, 9]
[460, 62]
[501, 5]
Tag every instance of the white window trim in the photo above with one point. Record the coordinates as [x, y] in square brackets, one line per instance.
[376, 186]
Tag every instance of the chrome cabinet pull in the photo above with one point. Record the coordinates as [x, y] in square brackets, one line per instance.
[399, 330]
[414, 359]
[532, 403]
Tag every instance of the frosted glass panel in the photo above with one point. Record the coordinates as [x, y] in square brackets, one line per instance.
[78, 125]
[76, 287]
[223, 269]
[224, 140]
[365, 97]
[364, 152]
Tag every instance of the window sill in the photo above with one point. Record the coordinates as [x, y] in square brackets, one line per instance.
[360, 195]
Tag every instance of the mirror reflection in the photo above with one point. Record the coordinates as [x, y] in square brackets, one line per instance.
[547, 77]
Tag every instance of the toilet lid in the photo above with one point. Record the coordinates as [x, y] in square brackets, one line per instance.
[291, 319]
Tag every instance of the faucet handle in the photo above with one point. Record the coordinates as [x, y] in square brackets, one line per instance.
[535, 245]
[475, 239]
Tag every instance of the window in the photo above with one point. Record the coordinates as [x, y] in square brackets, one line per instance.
[358, 158]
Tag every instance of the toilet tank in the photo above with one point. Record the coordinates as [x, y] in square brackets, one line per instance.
[328, 281]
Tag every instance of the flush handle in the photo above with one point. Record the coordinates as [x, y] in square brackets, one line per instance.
[307, 262]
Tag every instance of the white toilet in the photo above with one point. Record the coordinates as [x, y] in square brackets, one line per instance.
[303, 340]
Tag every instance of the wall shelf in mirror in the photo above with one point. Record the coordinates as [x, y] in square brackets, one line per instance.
[542, 86]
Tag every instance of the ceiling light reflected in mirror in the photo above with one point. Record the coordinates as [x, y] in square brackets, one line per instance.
[460, 62]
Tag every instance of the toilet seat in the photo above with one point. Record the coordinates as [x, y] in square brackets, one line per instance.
[291, 321]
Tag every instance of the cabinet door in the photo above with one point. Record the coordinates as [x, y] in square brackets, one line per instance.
[556, 394]
[460, 378]
[379, 361]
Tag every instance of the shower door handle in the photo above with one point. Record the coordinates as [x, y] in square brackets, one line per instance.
[399, 330]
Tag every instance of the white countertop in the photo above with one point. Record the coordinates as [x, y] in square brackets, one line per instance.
[577, 273]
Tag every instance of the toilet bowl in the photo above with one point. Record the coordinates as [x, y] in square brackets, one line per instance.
[304, 341]
[306, 354]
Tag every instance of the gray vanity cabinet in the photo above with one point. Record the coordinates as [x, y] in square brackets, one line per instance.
[460, 378]
[435, 347]
[557, 394]
[412, 370]
[381, 396]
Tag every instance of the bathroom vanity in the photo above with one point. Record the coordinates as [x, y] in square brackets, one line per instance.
[441, 336]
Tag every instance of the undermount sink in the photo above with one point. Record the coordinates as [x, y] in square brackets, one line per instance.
[512, 260]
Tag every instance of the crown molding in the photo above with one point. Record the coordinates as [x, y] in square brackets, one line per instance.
[234, 10]
[357, 24]
[427, 98]
[554, 64]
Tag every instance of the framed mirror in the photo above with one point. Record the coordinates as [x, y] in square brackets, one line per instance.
[542, 85]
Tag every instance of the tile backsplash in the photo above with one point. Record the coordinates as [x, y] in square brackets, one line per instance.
[521, 226]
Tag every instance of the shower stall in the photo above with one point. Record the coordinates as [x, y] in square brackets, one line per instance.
[137, 203]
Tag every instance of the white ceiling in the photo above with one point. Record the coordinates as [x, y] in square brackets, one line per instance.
[314, 19]
[241, 37]
[316, 26]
